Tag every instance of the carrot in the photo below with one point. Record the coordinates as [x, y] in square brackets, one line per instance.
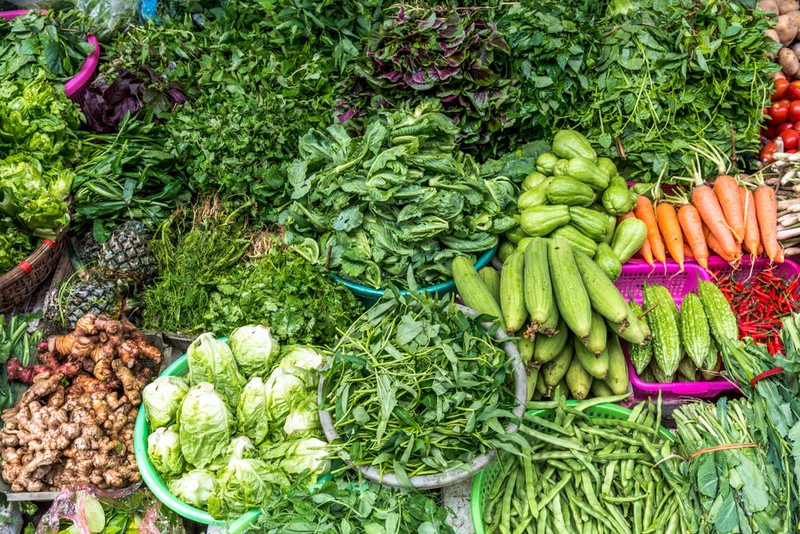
[687, 252]
[692, 226]
[727, 191]
[644, 212]
[670, 231]
[707, 204]
[714, 245]
[752, 237]
[767, 215]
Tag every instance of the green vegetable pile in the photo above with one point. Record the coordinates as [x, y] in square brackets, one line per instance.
[242, 425]
[657, 75]
[416, 387]
[399, 197]
[357, 508]
[17, 342]
[208, 284]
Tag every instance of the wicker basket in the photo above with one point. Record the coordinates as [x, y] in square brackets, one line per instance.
[19, 283]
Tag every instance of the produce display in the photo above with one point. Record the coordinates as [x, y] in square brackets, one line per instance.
[416, 387]
[74, 425]
[241, 426]
[585, 178]
[569, 313]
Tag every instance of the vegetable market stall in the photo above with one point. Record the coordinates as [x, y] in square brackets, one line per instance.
[401, 247]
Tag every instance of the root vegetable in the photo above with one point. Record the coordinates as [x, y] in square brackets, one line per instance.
[787, 29]
[787, 6]
[788, 61]
[769, 6]
[772, 34]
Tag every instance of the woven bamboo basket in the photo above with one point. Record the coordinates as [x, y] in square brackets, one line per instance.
[18, 284]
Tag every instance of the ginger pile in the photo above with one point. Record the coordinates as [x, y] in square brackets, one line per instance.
[74, 425]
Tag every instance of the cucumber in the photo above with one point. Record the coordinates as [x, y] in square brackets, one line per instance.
[491, 278]
[596, 342]
[597, 366]
[473, 291]
[538, 288]
[512, 296]
[601, 389]
[604, 295]
[617, 377]
[554, 370]
[545, 348]
[525, 349]
[578, 380]
[570, 294]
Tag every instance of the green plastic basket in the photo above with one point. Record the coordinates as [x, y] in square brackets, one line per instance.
[484, 480]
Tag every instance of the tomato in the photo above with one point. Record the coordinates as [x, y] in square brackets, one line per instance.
[795, 127]
[792, 151]
[789, 139]
[778, 113]
[781, 87]
[768, 152]
[770, 132]
[794, 90]
[794, 111]
[783, 127]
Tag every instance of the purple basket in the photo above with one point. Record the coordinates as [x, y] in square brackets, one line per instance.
[634, 275]
[75, 85]
[786, 270]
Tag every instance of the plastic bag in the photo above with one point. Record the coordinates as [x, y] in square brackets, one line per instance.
[123, 508]
[109, 17]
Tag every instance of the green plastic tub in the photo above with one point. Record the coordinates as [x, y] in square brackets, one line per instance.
[484, 480]
[369, 295]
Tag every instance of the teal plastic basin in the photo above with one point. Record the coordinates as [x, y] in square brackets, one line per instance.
[369, 295]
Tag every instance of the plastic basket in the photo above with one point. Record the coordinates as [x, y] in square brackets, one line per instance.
[74, 87]
[453, 476]
[786, 270]
[635, 274]
[484, 480]
[369, 295]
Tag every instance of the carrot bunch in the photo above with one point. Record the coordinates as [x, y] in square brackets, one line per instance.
[726, 219]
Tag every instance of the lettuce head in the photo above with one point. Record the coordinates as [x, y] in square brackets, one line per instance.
[255, 349]
[205, 425]
[194, 487]
[164, 450]
[251, 413]
[212, 361]
[162, 397]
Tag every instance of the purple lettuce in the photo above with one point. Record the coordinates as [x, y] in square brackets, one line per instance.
[452, 56]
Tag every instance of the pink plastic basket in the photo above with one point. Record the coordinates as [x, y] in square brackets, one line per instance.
[74, 88]
[786, 270]
[636, 273]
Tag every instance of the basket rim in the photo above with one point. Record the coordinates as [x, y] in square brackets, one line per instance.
[452, 476]
[476, 506]
[39, 254]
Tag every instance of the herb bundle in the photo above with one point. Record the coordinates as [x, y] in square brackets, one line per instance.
[399, 197]
[357, 508]
[416, 387]
[659, 77]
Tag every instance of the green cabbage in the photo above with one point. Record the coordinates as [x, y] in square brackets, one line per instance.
[309, 457]
[254, 349]
[206, 424]
[303, 420]
[164, 450]
[301, 356]
[162, 397]
[194, 487]
[251, 414]
[211, 360]
[245, 483]
[285, 387]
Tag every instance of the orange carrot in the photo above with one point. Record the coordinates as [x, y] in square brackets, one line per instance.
[644, 252]
[714, 245]
[767, 215]
[707, 204]
[727, 191]
[752, 237]
[644, 212]
[670, 231]
[687, 252]
[692, 226]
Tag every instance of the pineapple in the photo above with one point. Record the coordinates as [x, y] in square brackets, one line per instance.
[77, 297]
[126, 256]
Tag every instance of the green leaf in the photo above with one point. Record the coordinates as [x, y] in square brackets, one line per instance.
[706, 475]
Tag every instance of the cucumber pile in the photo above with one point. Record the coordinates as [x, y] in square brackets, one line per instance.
[577, 196]
[567, 313]
[684, 343]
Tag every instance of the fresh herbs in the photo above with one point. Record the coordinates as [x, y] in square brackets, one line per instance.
[217, 275]
[453, 56]
[659, 78]
[399, 197]
[14, 245]
[16, 342]
[357, 508]
[416, 388]
[54, 43]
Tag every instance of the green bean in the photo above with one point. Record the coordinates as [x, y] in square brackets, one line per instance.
[541, 405]
[608, 479]
[674, 524]
[558, 442]
[598, 515]
[523, 525]
[585, 405]
[617, 456]
[558, 515]
[505, 513]
[544, 423]
[619, 423]
[552, 455]
[619, 438]
[542, 522]
[621, 500]
[527, 466]
[588, 466]
[567, 477]
[619, 519]
[637, 516]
